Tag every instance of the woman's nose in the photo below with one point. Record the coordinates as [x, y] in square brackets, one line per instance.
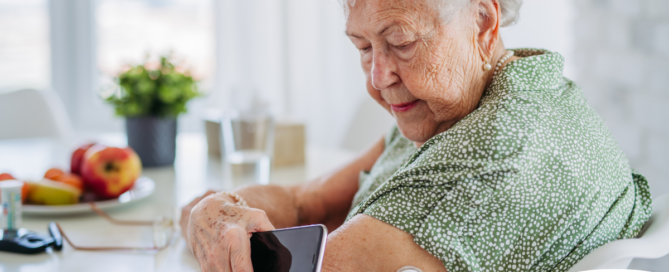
[383, 71]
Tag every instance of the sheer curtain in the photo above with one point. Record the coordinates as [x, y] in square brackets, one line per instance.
[292, 55]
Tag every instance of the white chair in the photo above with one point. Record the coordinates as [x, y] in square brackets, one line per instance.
[653, 243]
[31, 113]
[369, 123]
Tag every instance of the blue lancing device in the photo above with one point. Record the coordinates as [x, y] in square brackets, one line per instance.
[27, 242]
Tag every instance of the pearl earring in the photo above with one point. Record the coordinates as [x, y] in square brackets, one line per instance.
[486, 66]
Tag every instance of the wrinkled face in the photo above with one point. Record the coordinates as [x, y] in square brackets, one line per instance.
[426, 73]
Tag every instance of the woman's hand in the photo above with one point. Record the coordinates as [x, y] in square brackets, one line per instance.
[185, 214]
[218, 233]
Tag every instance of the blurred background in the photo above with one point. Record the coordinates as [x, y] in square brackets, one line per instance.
[292, 56]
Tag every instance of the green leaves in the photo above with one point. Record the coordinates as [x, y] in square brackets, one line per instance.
[157, 91]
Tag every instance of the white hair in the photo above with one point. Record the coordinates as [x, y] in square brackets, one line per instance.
[448, 8]
[510, 11]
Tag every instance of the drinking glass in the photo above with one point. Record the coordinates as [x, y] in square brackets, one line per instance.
[248, 145]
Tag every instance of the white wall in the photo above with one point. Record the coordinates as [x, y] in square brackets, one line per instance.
[544, 24]
[622, 55]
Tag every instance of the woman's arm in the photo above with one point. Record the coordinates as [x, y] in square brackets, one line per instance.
[325, 200]
[365, 243]
[218, 231]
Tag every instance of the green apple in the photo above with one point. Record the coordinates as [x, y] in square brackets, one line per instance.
[49, 192]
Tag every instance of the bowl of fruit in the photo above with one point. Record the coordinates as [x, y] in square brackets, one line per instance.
[108, 176]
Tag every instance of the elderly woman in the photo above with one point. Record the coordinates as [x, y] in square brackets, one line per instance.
[497, 163]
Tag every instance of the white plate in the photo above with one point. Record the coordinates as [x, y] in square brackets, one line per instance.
[143, 188]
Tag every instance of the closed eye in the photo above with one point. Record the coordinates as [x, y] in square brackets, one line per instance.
[404, 46]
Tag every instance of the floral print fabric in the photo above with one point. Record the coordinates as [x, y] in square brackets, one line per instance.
[532, 180]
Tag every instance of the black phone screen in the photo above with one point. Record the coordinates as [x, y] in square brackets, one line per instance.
[287, 250]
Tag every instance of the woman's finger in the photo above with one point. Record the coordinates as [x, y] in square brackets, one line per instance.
[215, 256]
[240, 251]
[258, 222]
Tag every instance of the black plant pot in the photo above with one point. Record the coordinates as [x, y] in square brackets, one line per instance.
[153, 138]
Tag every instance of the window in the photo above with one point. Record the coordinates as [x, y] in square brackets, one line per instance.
[24, 44]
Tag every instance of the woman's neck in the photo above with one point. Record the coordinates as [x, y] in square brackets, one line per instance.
[477, 90]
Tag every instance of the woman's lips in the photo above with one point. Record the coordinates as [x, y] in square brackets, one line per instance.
[404, 107]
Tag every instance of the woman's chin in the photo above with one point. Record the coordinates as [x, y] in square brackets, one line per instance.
[416, 124]
[418, 133]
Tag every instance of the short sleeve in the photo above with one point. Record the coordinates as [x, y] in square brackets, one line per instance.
[392, 135]
[437, 213]
[396, 150]
[643, 207]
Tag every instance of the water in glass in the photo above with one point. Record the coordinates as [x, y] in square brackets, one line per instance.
[248, 142]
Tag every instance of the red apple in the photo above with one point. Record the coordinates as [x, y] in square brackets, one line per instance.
[110, 171]
[77, 157]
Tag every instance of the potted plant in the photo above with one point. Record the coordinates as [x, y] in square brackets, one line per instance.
[150, 97]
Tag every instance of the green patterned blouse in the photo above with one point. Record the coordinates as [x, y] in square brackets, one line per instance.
[531, 180]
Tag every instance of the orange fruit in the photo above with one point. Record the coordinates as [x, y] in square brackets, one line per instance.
[72, 179]
[24, 191]
[58, 175]
[54, 174]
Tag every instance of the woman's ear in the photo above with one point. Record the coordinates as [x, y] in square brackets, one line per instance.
[489, 16]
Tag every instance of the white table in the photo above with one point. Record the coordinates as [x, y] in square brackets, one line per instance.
[193, 173]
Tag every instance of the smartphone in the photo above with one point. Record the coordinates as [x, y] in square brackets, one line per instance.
[298, 249]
